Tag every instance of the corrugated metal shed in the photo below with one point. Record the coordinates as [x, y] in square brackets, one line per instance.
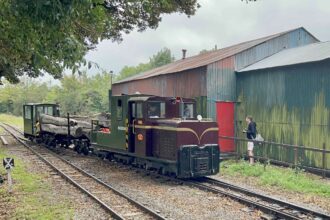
[221, 77]
[290, 104]
[205, 58]
[304, 54]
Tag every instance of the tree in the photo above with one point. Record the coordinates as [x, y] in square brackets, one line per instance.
[41, 36]
[162, 57]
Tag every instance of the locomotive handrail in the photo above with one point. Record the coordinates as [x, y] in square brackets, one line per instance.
[133, 126]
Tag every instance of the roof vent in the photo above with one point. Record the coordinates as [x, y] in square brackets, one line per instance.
[184, 51]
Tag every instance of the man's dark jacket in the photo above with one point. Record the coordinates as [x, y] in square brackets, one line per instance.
[251, 130]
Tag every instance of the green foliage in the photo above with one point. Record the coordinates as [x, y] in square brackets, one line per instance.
[285, 178]
[163, 57]
[49, 36]
[11, 119]
[76, 94]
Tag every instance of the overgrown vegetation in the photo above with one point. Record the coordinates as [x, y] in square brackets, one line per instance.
[163, 57]
[11, 119]
[285, 178]
[80, 94]
[31, 198]
[76, 94]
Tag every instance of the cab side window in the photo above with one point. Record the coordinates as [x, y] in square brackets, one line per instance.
[27, 112]
[119, 109]
[139, 112]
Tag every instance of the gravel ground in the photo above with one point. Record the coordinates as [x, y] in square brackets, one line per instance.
[172, 200]
[314, 202]
[83, 206]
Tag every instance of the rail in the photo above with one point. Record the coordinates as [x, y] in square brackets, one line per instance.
[68, 172]
[297, 162]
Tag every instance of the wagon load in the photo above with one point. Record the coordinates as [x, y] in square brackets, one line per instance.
[58, 121]
[59, 126]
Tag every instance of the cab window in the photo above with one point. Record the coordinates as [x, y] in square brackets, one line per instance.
[139, 113]
[119, 110]
[40, 110]
[156, 110]
[188, 110]
[50, 110]
[27, 112]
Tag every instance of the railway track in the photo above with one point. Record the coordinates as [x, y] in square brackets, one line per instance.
[269, 205]
[119, 205]
[273, 207]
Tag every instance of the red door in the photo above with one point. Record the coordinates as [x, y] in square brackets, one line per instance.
[225, 119]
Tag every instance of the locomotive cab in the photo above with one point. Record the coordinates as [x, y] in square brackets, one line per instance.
[168, 129]
[31, 114]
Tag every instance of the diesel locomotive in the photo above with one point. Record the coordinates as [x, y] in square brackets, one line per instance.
[152, 132]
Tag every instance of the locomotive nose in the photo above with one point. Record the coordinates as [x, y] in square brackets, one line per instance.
[198, 161]
[199, 150]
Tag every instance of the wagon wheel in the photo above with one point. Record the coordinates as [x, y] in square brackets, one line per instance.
[78, 149]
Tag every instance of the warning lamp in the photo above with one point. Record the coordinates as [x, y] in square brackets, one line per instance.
[140, 137]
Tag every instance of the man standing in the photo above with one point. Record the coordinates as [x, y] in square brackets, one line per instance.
[251, 133]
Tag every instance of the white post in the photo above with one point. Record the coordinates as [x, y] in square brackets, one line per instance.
[9, 181]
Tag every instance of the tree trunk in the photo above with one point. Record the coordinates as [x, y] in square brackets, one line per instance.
[58, 121]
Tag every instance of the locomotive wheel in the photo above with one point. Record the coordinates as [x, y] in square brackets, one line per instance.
[78, 149]
[85, 151]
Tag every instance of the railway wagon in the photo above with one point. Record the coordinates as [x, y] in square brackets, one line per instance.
[31, 114]
[161, 133]
[43, 124]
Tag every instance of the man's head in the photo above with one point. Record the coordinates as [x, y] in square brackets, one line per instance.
[248, 119]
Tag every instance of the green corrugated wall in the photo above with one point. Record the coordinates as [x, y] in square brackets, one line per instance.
[290, 105]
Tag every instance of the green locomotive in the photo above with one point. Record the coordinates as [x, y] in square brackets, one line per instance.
[160, 133]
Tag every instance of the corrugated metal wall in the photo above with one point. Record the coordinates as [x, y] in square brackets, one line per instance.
[221, 84]
[290, 105]
[221, 79]
[191, 83]
[188, 84]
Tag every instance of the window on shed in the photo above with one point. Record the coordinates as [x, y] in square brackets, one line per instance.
[119, 110]
[27, 112]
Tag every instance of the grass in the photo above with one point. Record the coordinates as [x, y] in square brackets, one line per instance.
[32, 195]
[11, 119]
[285, 178]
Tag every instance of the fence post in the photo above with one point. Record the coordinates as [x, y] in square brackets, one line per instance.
[295, 157]
[323, 160]
[264, 154]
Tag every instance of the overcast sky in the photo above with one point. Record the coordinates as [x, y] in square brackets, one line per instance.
[217, 22]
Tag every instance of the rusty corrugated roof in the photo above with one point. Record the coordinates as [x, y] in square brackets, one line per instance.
[201, 59]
